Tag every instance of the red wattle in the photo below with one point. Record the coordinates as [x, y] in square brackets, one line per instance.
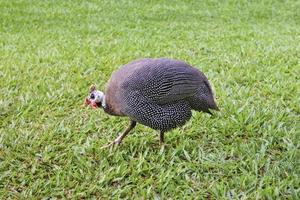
[87, 101]
[94, 105]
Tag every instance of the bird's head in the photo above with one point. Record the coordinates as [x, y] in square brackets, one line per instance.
[95, 98]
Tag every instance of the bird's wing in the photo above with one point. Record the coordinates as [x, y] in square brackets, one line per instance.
[165, 81]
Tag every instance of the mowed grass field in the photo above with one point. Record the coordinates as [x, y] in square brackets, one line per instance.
[51, 51]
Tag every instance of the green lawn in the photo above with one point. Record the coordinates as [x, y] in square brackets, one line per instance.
[51, 51]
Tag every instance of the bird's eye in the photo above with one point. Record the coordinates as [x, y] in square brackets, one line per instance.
[92, 96]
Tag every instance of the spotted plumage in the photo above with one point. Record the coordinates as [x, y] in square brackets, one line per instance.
[158, 93]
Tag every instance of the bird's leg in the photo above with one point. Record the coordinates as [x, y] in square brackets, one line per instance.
[161, 137]
[119, 139]
[131, 125]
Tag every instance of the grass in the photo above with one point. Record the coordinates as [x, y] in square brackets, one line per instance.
[51, 51]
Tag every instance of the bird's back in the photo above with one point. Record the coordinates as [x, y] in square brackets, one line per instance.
[163, 80]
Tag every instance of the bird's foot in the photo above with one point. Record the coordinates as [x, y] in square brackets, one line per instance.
[116, 141]
[107, 145]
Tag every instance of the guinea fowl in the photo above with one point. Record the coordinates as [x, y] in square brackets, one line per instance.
[158, 93]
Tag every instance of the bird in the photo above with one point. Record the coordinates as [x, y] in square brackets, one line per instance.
[159, 93]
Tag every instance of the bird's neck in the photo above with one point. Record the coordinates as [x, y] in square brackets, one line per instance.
[100, 98]
[103, 103]
[109, 108]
